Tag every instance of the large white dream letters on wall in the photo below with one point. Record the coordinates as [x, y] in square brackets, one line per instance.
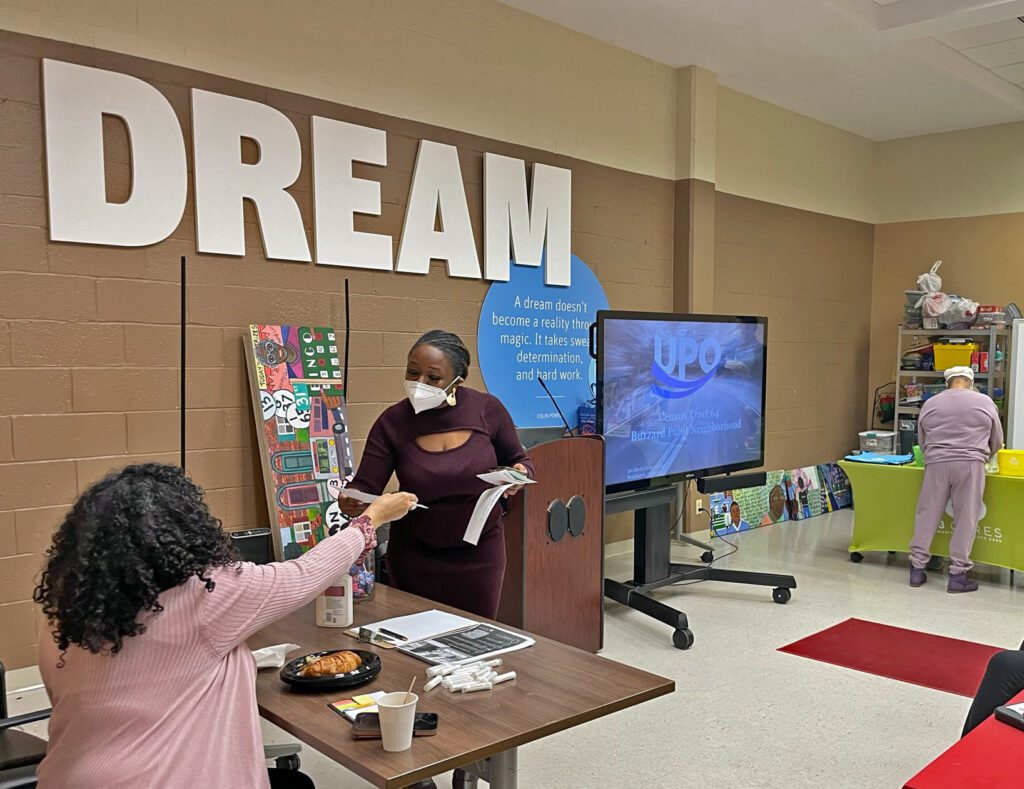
[521, 225]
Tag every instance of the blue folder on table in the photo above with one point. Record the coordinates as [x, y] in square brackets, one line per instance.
[881, 460]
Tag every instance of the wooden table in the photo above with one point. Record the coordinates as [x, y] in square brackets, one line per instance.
[557, 687]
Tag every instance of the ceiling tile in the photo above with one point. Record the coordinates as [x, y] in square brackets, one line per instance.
[984, 34]
[1002, 54]
[810, 56]
[1014, 73]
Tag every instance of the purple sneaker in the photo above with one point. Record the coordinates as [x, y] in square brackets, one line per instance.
[959, 582]
[917, 577]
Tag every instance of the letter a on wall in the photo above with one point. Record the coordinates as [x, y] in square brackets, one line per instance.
[437, 189]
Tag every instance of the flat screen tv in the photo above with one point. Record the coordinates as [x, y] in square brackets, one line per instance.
[679, 396]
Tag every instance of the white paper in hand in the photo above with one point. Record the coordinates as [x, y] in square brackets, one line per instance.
[487, 501]
[358, 495]
[505, 476]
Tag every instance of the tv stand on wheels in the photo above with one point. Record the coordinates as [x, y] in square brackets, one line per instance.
[653, 568]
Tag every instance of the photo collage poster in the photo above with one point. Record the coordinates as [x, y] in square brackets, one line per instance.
[787, 495]
[299, 404]
[835, 489]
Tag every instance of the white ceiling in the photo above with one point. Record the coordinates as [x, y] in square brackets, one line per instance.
[879, 68]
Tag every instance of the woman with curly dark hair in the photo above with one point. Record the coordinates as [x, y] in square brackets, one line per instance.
[149, 609]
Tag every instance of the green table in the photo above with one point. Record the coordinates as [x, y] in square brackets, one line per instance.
[885, 498]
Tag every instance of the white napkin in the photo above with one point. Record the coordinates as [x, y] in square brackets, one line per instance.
[272, 657]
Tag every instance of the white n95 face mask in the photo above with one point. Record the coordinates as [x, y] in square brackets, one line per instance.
[425, 397]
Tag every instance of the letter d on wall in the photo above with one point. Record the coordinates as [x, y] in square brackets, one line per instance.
[75, 99]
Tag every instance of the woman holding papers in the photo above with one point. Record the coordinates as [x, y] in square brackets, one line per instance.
[437, 441]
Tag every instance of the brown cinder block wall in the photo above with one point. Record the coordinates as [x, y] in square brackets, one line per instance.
[810, 274]
[89, 335]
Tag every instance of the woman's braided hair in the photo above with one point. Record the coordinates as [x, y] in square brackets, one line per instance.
[451, 345]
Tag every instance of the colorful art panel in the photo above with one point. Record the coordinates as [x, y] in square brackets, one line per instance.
[803, 490]
[750, 508]
[299, 405]
[835, 488]
[791, 494]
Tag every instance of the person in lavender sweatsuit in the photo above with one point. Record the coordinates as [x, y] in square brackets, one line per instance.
[958, 431]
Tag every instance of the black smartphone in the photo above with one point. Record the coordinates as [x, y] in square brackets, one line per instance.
[1012, 714]
[367, 725]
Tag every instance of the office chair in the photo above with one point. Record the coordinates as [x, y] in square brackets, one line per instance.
[19, 752]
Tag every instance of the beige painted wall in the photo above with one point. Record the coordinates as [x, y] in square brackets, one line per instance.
[471, 65]
[983, 258]
[810, 274]
[965, 173]
[767, 153]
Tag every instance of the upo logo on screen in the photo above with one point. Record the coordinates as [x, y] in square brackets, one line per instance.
[682, 351]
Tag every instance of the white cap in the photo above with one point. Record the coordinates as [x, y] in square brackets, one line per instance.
[959, 372]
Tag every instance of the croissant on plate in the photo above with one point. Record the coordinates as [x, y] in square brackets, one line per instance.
[335, 663]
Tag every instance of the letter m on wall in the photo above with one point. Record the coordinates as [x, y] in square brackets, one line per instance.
[522, 228]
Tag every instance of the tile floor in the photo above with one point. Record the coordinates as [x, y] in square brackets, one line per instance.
[745, 716]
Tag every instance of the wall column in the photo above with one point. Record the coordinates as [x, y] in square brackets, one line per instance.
[694, 249]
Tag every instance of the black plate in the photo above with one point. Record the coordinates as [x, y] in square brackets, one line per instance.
[370, 668]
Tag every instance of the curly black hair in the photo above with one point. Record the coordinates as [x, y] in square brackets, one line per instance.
[134, 534]
[451, 345]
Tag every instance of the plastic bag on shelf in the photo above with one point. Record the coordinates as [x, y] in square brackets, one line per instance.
[935, 304]
[960, 311]
[930, 281]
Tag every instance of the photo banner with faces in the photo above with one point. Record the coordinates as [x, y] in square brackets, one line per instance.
[297, 383]
[787, 495]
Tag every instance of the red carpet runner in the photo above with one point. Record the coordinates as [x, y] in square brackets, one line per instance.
[937, 662]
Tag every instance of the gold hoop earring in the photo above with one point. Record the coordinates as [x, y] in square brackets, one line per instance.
[451, 397]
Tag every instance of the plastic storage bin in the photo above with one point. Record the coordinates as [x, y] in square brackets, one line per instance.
[949, 355]
[881, 441]
[1011, 462]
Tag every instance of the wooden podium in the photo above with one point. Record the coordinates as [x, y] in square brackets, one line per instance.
[554, 579]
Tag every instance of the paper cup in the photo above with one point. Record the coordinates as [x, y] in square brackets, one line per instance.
[397, 714]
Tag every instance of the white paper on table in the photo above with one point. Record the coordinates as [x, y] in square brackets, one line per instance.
[505, 477]
[487, 501]
[417, 627]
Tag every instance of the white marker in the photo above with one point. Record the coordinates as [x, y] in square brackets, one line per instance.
[433, 683]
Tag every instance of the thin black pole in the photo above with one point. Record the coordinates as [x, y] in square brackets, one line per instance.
[348, 325]
[182, 375]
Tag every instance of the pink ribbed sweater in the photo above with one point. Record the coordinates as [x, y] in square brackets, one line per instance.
[177, 706]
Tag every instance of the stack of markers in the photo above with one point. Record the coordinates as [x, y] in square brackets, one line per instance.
[468, 677]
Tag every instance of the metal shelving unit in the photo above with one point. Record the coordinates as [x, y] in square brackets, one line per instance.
[989, 339]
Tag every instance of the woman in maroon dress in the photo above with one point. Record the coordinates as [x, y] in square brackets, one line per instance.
[437, 441]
